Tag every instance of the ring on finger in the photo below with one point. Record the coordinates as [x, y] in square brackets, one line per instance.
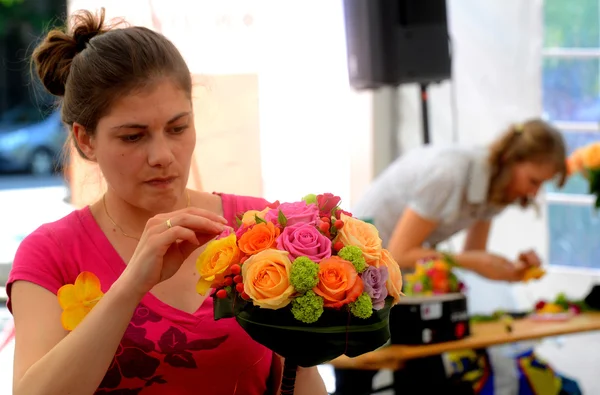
[169, 224]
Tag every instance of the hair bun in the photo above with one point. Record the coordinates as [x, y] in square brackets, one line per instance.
[87, 26]
[53, 57]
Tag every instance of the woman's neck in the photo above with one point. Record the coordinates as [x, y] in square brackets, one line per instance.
[130, 220]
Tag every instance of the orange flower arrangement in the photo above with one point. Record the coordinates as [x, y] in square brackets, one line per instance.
[586, 161]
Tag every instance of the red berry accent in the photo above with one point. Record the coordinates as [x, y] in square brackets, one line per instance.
[245, 296]
[244, 258]
[338, 245]
[238, 279]
[228, 281]
[540, 305]
[326, 219]
[339, 224]
[239, 287]
[235, 269]
[324, 227]
[221, 294]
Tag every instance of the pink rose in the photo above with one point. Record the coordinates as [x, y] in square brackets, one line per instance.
[297, 212]
[304, 240]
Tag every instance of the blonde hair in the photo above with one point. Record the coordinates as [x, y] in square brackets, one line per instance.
[532, 141]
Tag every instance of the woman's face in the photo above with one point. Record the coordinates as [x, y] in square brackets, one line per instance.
[144, 146]
[527, 178]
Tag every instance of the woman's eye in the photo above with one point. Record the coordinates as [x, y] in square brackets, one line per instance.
[131, 138]
[180, 129]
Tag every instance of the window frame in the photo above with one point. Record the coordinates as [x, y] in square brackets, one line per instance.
[565, 126]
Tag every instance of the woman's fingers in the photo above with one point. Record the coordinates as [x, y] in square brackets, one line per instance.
[176, 233]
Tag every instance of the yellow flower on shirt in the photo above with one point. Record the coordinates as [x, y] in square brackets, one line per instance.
[77, 300]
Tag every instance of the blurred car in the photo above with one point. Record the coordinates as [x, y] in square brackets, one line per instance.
[31, 142]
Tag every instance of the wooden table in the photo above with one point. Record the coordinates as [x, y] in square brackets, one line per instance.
[483, 335]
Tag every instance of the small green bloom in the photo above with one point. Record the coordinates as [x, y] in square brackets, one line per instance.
[310, 198]
[308, 307]
[362, 307]
[354, 255]
[304, 275]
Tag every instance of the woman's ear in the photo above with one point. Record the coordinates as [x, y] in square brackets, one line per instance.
[84, 141]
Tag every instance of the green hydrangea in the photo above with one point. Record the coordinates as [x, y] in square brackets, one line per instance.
[310, 198]
[354, 255]
[362, 307]
[304, 275]
[308, 307]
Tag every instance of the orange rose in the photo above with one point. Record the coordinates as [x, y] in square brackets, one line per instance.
[259, 238]
[339, 283]
[249, 217]
[267, 279]
[214, 262]
[362, 235]
[394, 282]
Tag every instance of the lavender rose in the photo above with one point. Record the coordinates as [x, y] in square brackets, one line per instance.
[374, 279]
[297, 212]
[304, 240]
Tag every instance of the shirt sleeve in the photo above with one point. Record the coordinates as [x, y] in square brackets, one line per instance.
[439, 192]
[37, 260]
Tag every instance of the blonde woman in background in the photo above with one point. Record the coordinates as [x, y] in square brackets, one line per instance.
[433, 192]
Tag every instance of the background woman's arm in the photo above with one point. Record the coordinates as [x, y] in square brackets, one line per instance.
[477, 236]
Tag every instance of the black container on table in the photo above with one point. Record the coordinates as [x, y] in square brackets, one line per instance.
[429, 319]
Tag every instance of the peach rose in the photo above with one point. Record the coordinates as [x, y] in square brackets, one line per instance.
[214, 262]
[394, 282]
[249, 217]
[267, 279]
[339, 283]
[259, 238]
[362, 235]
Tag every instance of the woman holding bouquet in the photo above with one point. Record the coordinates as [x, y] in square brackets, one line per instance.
[431, 193]
[126, 100]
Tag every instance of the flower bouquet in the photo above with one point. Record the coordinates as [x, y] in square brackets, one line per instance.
[560, 309]
[305, 279]
[586, 161]
[432, 277]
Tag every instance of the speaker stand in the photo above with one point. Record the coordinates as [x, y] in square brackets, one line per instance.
[424, 113]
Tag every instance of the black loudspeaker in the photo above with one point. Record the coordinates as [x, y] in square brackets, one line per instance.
[393, 42]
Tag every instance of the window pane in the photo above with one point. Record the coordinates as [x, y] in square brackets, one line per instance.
[576, 184]
[569, 23]
[571, 89]
[574, 236]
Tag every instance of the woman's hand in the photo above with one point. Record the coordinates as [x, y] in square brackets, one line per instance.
[496, 267]
[530, 259]
[167, 241]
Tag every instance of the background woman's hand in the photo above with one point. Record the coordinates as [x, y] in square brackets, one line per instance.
[499, 268]
[530, 258]
[163, 249]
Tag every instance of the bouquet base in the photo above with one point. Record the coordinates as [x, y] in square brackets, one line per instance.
[432, 319]
[335, 333]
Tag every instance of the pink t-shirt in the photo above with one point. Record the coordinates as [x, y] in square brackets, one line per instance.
[164, 350]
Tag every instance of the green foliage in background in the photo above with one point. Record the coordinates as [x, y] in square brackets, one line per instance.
[33, 15]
